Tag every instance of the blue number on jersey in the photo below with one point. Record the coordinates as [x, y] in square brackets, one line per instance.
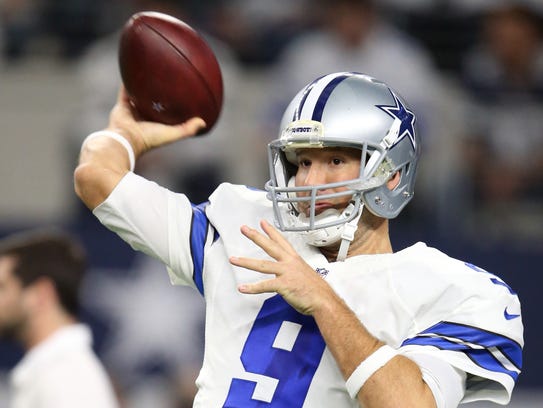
[494, 279]
[291, 370]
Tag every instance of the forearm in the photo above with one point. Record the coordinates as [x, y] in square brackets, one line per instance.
[398, 383]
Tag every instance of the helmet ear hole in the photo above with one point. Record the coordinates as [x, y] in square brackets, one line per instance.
[394, 181]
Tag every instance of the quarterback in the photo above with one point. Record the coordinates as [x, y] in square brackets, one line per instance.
[307, 303]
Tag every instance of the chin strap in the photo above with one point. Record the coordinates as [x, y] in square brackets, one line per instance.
[347, 235]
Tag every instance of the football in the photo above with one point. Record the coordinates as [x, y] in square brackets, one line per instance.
[169, 71]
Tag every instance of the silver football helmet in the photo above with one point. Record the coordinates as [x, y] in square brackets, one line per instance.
[344, 109]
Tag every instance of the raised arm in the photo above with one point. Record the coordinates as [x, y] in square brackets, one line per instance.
[105, 155]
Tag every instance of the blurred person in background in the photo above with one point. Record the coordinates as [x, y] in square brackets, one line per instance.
[354, 35]
[61, 28]
[18, 20]
[503, 76]
[258, 30]
[40, 277]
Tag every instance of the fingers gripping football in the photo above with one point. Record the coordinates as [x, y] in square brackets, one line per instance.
[294, 279]
[145, 135]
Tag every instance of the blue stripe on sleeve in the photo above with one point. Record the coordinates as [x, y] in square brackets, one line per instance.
[481, 346]
[198, 236]
[487, 360]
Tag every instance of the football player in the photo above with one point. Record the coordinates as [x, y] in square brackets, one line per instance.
[307, 304]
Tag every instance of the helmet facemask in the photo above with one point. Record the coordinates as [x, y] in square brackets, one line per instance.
[295, 206]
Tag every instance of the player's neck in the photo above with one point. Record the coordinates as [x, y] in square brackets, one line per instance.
[370, 238]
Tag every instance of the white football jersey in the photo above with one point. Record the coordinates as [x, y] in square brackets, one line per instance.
[260, 352]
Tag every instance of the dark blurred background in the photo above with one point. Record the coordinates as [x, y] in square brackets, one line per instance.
[471, 69]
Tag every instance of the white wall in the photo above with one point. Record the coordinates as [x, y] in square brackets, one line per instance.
[36, 100]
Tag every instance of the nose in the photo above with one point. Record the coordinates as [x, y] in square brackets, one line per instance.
[314, 175]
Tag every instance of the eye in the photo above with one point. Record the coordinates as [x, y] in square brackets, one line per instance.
[304, 162]
[337, 161]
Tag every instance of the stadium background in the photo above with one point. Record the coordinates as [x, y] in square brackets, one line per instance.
[57, 77]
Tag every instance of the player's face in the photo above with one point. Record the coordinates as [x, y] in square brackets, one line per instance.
[326, 165]
[11, 299]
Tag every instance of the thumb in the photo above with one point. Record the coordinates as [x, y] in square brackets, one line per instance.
[192, 127]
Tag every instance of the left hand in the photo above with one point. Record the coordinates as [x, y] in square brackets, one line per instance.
[295, 280]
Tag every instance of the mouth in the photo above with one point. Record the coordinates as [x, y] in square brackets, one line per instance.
[320, 207]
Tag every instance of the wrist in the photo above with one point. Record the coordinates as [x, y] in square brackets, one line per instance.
[133, 137]
[326, 303]
[118, 137]
[368, 367]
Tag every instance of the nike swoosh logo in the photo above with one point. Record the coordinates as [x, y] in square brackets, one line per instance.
[509, 316]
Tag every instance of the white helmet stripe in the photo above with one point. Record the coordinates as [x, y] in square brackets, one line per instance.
[325, 94]
[316, 94]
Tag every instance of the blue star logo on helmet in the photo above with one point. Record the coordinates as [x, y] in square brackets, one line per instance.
[407, 118]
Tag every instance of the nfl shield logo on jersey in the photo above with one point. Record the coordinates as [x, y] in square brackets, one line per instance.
[322, 272]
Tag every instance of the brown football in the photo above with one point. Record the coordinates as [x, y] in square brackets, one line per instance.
[169, 71]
